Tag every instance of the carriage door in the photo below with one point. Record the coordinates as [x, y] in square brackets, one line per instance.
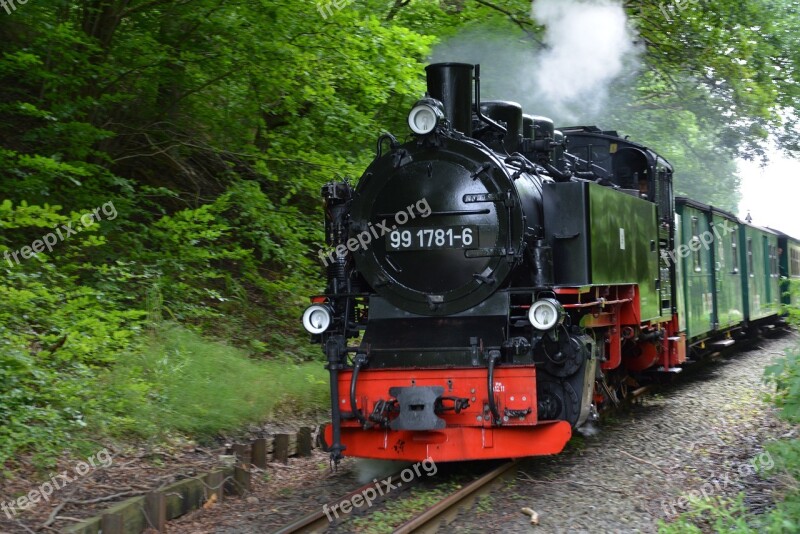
[767, 270]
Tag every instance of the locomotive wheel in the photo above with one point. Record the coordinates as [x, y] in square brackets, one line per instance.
[564, 357]
[557, 400]
[573, 404]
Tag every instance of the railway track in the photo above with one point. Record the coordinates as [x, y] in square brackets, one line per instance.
[445, 510]
[319, 520]
[430, 520]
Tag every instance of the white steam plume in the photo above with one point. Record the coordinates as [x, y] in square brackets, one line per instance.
[588, 62]
[589, 45]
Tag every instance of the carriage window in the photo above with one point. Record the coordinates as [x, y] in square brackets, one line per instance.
[735, 250]
[768, 252]
[771, 261]
[776, 253]
[795, 262]
[774, 260]
[750, 256]
[695, 244]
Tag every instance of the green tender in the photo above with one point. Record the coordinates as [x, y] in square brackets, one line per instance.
[603, 237]
[624, 234]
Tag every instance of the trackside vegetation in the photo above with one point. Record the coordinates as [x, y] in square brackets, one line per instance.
[730, 514]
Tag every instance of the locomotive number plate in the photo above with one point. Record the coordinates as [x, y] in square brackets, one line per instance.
[433, 238]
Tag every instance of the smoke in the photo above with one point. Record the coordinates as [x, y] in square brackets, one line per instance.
[589, 45]
[589, 59]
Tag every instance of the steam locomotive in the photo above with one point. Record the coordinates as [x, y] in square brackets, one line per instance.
[503, 281]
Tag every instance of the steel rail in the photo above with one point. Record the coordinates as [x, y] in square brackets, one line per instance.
[317, 521]
[428, 520]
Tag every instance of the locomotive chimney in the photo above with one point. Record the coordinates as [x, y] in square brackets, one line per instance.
[451, 84]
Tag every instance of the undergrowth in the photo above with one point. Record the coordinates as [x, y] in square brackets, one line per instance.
[86, 354]
[181, 382]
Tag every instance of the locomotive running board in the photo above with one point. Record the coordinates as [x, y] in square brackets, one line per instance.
[456, 443]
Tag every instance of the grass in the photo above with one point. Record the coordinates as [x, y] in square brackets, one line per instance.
[181, 382]
[715, 514]
[399, 510]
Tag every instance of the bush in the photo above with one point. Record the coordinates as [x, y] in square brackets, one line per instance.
[76, 356]
[180, 382]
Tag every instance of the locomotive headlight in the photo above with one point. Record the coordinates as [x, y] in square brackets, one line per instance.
[424, 116]
[317, 318]
[544, 314]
